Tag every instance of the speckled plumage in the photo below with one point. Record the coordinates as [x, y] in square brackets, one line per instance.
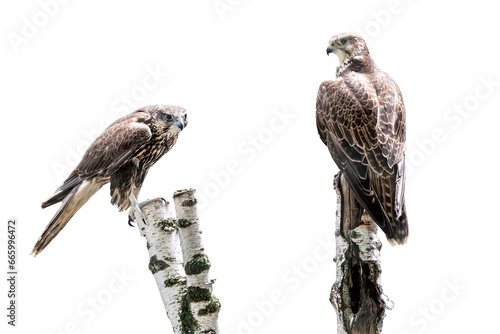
[360, 116]
[122, 155]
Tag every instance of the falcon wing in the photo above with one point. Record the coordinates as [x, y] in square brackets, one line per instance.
[114, 146]
[391, 132]
[107, 153]
[391, 118]
[364, 132]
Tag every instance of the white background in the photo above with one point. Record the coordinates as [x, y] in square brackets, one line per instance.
[268, 227]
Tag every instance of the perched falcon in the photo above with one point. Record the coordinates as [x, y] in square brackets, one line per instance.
[360, 116]
[122, 155]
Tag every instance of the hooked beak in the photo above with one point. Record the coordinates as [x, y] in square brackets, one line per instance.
[329, 50]
[180, 123]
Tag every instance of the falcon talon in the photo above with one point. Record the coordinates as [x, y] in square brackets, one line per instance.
[130, 222]
[136, 207]
[142, 217]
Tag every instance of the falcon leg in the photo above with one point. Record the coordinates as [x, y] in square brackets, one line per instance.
[135, 205]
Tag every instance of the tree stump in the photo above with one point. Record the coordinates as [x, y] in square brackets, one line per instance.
[357, 293]
[179, 264]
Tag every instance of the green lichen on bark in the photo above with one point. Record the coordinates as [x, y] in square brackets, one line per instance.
[197, 294]
[183, 223]
[171, 281]
[212, 307]
[355, 234]
[179, 193]
[167, 224]
[198, 264]
[188, 322]
[189, 202]
[156, 265]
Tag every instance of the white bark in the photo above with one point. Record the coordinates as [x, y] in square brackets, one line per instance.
[182, 279]
[201, 307]
[357, 292]
[164, 253]
[365, 237]
[340, 257]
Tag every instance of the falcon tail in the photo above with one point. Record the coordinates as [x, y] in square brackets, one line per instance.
[73, 201]
[398, 231]
[379, 203]
[63, 191]
[395, 229]
[379, 207]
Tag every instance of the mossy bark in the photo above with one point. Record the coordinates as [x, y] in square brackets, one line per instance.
[201, 308]
[182, 277]
[165, 260]
[357, 293]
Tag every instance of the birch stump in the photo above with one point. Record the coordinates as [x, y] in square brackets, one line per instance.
[165, 260]
[357, 294]
[199, 308]
[179, 264]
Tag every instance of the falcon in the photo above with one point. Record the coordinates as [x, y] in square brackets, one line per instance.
[122, 155]
[360, 117]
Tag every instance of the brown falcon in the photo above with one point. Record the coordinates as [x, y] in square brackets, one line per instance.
[360, 116]
[122, 155]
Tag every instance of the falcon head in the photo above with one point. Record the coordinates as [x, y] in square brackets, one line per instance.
[170, 118]
[346, 46]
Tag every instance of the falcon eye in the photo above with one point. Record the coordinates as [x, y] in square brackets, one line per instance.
[168, 117]
[343, 41]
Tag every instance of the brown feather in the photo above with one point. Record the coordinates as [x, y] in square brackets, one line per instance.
[361, 118]
[122, 154]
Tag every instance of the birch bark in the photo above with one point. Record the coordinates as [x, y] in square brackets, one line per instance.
[357, 293]
[199, 304]
[179, 264]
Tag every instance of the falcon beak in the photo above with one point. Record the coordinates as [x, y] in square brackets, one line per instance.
[329, 50]
[180, 123]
